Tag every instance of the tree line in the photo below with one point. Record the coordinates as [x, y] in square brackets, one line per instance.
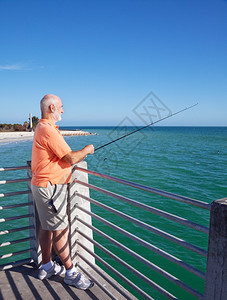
[20, 127]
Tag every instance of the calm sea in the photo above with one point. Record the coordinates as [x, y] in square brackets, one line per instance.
[189, 161]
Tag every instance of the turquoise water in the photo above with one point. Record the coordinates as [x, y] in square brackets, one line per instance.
[190, 161]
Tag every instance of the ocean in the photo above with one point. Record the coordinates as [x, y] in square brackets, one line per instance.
[188, 161]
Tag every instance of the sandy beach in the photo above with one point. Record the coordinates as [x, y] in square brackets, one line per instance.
[6, 137]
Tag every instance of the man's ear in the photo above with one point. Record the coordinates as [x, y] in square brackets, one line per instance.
[52, 108]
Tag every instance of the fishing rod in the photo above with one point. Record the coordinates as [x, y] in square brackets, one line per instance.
[171, 115]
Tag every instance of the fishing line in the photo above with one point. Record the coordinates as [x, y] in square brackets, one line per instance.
[171, 115]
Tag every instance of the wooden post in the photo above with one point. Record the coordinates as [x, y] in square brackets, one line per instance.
[216, 273]
[30, 121]
[73, 212]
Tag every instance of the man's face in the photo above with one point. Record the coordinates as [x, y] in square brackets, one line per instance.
[58, 110]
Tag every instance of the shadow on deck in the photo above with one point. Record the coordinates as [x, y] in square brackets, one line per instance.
[21, 283]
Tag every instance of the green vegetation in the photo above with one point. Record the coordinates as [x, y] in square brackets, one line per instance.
[20, 127]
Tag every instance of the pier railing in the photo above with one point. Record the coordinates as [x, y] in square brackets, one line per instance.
[17, 220]
[98, 236]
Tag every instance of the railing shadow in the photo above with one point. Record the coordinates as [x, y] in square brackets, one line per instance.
[13, 285]
[27, 285]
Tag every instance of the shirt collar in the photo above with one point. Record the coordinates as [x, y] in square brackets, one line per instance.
[47, 121]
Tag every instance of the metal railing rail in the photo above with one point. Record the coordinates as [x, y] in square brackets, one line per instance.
[4, 219]
[173, 196]
[16, 218]
[17, 229]
[15, 168]
[14, 194]
[16, 241]
[14, 181]
[16, 264]
[16, 253]
[16, 205]
[168, 236]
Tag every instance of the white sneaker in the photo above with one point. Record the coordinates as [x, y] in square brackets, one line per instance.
[78, 280]
[56, 269]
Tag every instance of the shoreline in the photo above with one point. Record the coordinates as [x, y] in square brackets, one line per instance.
[17, 136]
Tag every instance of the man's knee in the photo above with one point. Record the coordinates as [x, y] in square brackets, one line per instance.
[60, 234]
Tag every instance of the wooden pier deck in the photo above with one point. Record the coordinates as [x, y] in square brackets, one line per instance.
[21, 283]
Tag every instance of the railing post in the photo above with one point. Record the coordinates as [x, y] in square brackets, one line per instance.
[34, 222]
[216, 273]
[73, 212]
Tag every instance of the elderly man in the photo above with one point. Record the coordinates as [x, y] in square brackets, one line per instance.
[52, 160]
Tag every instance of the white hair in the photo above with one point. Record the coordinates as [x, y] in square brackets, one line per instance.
[46, 101]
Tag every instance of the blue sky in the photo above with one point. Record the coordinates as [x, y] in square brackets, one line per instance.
[104, 57]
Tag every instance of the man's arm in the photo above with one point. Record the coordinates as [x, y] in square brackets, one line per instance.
[74, 157]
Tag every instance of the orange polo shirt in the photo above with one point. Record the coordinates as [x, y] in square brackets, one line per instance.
[49, 147]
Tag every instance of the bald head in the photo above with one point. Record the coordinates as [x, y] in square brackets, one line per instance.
[51, 105]
[47, 101]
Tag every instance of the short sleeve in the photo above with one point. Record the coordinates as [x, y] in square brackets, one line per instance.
[57, 144]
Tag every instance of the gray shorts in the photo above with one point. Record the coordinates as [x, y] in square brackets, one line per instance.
[51, 204]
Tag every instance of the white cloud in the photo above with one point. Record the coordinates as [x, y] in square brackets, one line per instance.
[18, 67]
[13, 67]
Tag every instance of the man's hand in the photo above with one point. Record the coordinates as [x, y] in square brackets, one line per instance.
[90, 149]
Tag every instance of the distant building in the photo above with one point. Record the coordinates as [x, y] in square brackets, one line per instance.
[30, 120]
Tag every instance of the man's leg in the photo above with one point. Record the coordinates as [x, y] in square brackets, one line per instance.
[46, 243]
[59, 239]
[48, 268]
[61, 246]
